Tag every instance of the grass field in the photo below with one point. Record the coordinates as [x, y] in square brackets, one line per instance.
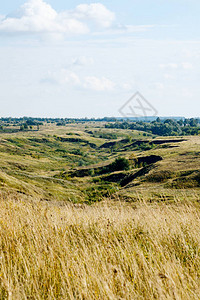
[73, 229]
[112, 250]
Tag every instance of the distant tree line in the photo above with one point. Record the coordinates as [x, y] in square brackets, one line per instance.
[57, 121]
[168, 127]
[19, 124]
[159, 126]
[10, 124]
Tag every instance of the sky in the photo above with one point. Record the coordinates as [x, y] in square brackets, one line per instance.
[87, 59]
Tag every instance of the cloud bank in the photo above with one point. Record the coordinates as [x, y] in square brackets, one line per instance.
[38, 17]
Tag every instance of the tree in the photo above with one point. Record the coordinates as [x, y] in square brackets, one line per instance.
[25, 126]
[193, 122]
[158, 120]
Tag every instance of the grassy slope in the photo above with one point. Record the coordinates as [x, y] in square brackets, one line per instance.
[180, 164]
[27, 161]
[30, 161]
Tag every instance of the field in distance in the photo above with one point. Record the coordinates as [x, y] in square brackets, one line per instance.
[80, 163]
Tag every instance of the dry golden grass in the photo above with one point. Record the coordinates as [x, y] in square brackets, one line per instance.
[100, 252]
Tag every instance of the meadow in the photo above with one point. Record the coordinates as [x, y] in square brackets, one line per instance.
[74, 224]
[106, 251]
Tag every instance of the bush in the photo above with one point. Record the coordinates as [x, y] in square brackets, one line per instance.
[120, 164]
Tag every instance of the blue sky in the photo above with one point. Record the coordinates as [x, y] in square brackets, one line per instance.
[86, 59]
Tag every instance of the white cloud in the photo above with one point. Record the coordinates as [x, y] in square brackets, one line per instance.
[82, 61]
[98, 84]
[39, 18]
[33, 16]
[96, 12]
[71, 79]
[36, 16]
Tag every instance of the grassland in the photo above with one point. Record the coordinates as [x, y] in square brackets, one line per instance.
[73, 229]
[39, 164]
[106, 251]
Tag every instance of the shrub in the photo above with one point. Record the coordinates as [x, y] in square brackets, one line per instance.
[120, 164]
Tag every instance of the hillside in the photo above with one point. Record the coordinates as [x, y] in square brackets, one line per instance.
[72, 163]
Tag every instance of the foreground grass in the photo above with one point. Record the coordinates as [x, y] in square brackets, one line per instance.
[99, 252]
